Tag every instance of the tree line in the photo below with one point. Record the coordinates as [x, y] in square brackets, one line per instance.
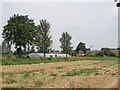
[22, 32]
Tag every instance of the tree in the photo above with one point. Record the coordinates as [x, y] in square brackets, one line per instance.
[100, 53]
[25, 50]
[0, 47]
[6, 48]
[105, 52]
[65, 41]
[28, 48]
[32, 48]
[43, 38]
[88, 49]
[81, 46]
[19, 31]
[73, 53]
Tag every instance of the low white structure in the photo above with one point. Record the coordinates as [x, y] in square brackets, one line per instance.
[47, 55]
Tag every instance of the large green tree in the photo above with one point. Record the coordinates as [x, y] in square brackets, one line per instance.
[19, 31]
[81, 46]
[65, 41]
[43, 37]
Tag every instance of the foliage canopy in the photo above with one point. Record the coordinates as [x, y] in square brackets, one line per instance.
[19, 31]
[81, 46]
[65, 41]
[43, 37]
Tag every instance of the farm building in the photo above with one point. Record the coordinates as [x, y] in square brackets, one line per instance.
[47, 55]
[80, 53]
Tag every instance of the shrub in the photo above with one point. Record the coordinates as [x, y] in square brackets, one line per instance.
[55, 55]
[100, 53]
[51, 56]
[28, 56]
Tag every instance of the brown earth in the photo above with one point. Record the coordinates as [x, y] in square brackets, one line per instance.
[105, 80]
[28, 67]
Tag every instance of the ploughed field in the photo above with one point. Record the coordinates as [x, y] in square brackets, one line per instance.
[68, 73]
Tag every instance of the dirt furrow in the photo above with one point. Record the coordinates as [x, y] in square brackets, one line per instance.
[28, 67]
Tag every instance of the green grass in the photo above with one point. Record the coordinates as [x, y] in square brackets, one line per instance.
[38, 83]
[25, 72]
[86, 72]
[98, 73]
[91, 64]
[59, 67]
[17, 61]
[108, 64]
[61, 71]
[102, 63]
[9, 81]
[107, 70]
[33, 74]
[114, 74]
[53, 74]
[42, 71]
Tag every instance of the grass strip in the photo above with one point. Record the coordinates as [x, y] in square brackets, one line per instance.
[24, 72]
[17, 61]
[87, 72]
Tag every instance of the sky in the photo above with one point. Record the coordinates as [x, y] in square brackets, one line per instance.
[94, 23]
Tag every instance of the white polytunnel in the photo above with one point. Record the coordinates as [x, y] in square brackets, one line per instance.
[47, 55]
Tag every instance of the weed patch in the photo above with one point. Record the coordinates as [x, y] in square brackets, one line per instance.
[26, 75]
[9, 81]
[60, 71]
[59, 67]
[42, 71]
[87, 72]
[53, 74]
[114, 74]
[107, 70]
[98, 73]
[25, 72]
[38, 83]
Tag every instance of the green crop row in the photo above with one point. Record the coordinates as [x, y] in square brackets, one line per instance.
[19, 61]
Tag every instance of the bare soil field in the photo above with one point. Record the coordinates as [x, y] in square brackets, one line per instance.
[73, 74]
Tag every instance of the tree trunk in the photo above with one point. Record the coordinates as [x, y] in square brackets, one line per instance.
[44, 54]
[24, 51]
[66, 55]
[19, 50]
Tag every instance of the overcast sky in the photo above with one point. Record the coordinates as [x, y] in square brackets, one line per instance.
[94, 23]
